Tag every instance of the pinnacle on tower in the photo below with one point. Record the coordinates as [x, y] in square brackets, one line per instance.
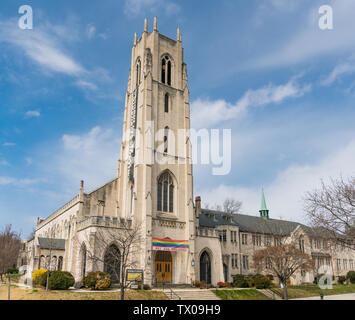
[135, 38]
[155, 26]
[178, 37]
[264, 212]
[145, 25]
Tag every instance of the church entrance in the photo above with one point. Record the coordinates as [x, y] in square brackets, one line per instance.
[163, 267]
[205, 268]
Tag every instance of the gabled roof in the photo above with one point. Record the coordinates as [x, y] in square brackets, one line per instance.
[212, 218]
[50, 243]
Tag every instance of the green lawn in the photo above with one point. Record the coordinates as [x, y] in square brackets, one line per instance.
[247, 294]
[304, 291]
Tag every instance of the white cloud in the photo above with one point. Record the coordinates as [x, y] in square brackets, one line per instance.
[339, 70]
[207, 113]
[17, 182]
[41, 46]
[4, 163]
[33, 114]
[308, 41]
[86, 85]
[136, 7]
[91, 157]
[29, 161]
[285, 193]
[9, 144]
[90, 31]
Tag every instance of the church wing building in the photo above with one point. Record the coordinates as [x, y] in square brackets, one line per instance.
[180, 242]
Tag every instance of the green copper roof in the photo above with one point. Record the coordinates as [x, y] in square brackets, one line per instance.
[263, 202]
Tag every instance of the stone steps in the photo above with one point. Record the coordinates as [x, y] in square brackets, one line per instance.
[197, 294]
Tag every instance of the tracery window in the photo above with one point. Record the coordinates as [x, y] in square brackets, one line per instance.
[165, 193]
[166, 70]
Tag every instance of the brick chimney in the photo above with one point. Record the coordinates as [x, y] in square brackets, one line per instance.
[198, 206]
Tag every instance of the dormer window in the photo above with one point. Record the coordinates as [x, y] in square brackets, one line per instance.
[166, 70]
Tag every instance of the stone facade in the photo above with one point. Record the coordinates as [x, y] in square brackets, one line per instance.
[158, 195]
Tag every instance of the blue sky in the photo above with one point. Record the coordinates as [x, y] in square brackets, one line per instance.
[262, 68]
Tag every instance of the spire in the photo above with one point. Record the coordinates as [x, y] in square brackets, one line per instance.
[178, 37]
[264, 212]
[145, 25]
[155, 27]
[135, 38]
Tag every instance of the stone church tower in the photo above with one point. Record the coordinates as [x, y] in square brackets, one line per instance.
[155, 183]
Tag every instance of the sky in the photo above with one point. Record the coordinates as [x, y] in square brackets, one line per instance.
[263, 69]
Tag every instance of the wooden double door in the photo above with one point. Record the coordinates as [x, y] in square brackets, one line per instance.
[163, 267]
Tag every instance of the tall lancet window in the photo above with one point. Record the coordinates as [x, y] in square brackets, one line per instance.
[165, 193]
[166, 141]
[138, 73]
[131, 201]
[166, 70]
[166, 103]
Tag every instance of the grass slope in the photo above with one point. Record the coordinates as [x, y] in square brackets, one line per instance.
[248, 294]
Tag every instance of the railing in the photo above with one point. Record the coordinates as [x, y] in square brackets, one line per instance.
[104, 221]
[173, 294]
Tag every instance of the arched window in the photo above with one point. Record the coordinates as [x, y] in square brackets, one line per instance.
[166, 70]
[112, 263]
[54, 263]
[166, 141]
[138, 73]
[60, 263]
[42, 262]
[166, 103]
[165, 193]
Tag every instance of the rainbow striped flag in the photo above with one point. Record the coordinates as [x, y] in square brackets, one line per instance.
[170, 244]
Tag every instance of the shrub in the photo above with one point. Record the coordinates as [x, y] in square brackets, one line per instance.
[262, 282]
[341, 279]
[203, 285]
[12, 271]
[239, 281]
[147, 287]
[222, 284]
[250, 282]
[317, 277]
[271, 277]
[196, 284]
[351, 276]
[97, 280]
[60, 280]
[36, 276]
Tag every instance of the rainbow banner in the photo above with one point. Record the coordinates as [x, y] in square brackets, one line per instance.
[170, 245]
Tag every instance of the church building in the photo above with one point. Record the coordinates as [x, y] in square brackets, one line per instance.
[181, 242]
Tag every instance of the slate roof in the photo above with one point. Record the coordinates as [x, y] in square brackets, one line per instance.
[49, 243]
[212, 218]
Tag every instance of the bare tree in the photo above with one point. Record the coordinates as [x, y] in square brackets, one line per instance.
[10, 244]
[332, 208]
[230, 206]
[121, 248]
[282, 261]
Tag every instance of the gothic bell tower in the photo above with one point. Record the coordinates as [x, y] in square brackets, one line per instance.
[155, 182]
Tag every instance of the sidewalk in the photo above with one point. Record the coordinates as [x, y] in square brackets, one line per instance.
[348, 296]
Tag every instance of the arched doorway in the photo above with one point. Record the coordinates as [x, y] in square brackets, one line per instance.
[163, 267]
[205, 268]
[112, 263]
